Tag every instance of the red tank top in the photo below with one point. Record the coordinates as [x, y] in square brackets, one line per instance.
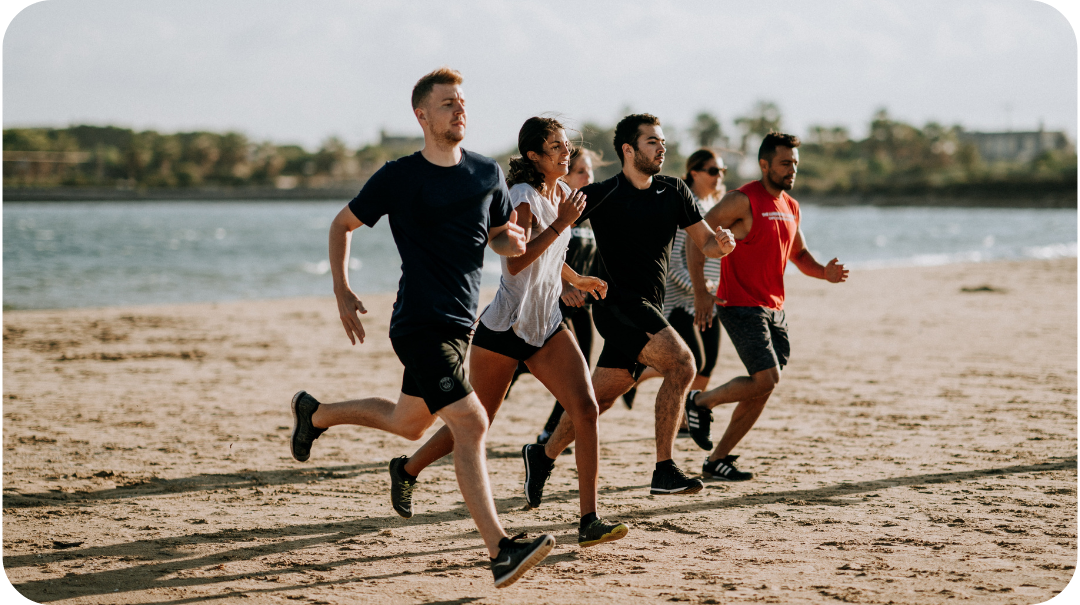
[753, 274]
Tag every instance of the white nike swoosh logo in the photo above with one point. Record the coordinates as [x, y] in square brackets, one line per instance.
[659, 191]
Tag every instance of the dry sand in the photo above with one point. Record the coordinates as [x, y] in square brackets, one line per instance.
[921, 448]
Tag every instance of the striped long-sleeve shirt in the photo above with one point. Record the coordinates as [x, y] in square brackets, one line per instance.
[678, 289]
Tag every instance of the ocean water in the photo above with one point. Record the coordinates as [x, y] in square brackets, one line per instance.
[60, 255]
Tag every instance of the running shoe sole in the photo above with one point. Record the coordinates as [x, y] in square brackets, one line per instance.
[617, 532]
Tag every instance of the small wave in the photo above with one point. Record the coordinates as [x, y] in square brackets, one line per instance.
[1051, 251]
[320, 268]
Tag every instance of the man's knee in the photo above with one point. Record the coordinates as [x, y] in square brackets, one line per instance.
[766, 380]
[467, 419]
[668, 353]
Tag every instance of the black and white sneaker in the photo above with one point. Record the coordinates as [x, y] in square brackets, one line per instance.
[537, 470]
[401, 487]
[303, 433]
[515, 559]
[543, 437]
[699, 421]
[724, 470]
[671, 480]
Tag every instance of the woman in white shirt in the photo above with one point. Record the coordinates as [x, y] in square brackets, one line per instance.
[523, 322]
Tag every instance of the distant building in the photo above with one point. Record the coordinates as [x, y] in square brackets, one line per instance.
[399, 142]
[1016, 146]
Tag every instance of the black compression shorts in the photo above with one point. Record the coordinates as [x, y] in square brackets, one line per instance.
[507, 344]
[704, 345]
[434, 361]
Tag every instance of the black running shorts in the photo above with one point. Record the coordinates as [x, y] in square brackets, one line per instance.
[434, 361]
[627, 323]
[507, 344]
[759, 335]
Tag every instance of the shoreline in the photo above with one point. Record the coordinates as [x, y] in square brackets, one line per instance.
[487, 292]
[1007, 197]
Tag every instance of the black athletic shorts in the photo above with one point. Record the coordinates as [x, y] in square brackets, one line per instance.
[759, 335]
[627, 323]
[434, 361]
[507, 343]
[704, 345]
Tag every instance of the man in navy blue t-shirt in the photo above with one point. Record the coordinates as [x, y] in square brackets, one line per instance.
[444, 204]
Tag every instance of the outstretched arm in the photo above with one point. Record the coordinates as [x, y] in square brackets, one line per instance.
[833, 272]
[348, 304]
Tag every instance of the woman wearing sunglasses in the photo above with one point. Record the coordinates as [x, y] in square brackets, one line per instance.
[705, 176]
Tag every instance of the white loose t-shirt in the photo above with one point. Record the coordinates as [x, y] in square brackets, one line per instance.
[529, 301]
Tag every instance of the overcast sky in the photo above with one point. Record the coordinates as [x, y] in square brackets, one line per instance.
[299, 72]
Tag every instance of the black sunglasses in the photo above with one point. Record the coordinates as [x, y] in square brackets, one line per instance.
[715, 170]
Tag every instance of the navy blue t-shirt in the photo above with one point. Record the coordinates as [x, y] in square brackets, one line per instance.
[440, 218]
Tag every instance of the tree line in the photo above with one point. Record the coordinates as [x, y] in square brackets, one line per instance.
[894, 157]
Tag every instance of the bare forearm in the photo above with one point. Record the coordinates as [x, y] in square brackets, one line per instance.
[340, 242]
[695, 264]
[808, 264]
[533, 250]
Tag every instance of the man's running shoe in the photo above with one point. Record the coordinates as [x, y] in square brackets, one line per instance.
[303, 433]
[537, 470]
[628, 398]
[515, 559]
[401, 487]
[671, 480]
[599, 532]
[699, 421]
[683, 432]
[724, 470]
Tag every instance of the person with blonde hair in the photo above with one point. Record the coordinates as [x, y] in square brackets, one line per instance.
[444, 204]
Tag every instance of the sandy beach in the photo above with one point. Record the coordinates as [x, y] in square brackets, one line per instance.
[920, 448]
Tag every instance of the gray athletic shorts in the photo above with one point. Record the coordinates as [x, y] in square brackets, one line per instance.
[759, 335]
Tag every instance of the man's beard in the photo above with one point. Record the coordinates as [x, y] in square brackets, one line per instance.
[449, 137]
[644, 166]
[781, 185]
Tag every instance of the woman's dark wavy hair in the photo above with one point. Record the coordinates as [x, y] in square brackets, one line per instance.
[531, 137]
[696, 160]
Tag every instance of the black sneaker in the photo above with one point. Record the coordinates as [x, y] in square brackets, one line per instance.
[303, 433]
[515, 559]
[671, 480]
[599, 532]
[401, 487]
[628, 398]
[683, 433]
[724, 470]
[699, 420]
[537, 470]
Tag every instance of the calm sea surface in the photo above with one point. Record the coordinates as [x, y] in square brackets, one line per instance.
[103, 254]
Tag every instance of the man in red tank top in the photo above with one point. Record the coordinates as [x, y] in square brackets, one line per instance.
[765, 222]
